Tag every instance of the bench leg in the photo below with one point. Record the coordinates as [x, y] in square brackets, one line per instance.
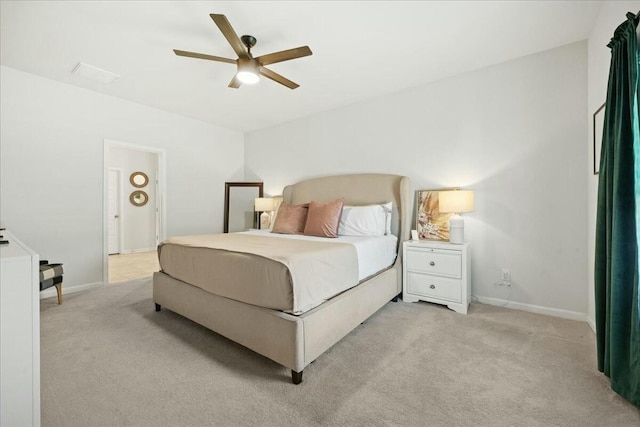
[59, 290]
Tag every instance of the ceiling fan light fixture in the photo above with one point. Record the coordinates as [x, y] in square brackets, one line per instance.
[248, 71]
[247, 77]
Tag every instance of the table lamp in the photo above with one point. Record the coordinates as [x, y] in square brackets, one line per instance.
[264, 205]
[456, 202]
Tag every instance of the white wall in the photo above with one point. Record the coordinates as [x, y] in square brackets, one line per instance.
[138, 223]
[612, 14]
[514, 133]
[51, 167]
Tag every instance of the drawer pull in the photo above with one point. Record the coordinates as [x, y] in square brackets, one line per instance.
[432, 263]
[432, 286]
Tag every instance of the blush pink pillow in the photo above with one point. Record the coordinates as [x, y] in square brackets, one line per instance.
[323, 218]
[290, 219]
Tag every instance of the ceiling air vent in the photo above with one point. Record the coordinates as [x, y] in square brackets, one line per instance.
[94, 73]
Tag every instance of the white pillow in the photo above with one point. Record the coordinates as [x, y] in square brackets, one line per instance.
[274, 214]
[371, 220]
[388, 208]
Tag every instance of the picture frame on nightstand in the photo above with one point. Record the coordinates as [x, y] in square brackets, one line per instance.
[430, 223]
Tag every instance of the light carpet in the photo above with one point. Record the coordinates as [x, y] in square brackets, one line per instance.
[108, 359]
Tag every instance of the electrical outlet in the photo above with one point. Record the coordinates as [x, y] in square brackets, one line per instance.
[506, 277]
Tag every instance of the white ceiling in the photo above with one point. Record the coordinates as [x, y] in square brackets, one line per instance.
[361, 49]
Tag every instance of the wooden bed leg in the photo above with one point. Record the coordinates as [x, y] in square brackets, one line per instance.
[296, 377]
[59, 291]
[158, 307]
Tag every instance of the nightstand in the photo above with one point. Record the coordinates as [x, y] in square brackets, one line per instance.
[436, 272]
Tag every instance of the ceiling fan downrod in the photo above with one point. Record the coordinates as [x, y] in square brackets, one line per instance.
[249, 42]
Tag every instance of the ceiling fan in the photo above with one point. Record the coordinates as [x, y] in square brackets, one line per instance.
[249, 68]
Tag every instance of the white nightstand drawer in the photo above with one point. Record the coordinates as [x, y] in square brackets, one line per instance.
[434, 261]
[434, 286]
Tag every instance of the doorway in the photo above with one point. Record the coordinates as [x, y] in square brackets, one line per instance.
[133, 210]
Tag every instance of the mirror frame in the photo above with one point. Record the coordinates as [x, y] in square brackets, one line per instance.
[132, 198]
[136, 174]
[227, 188]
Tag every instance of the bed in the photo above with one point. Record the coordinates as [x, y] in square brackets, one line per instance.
[288, 329]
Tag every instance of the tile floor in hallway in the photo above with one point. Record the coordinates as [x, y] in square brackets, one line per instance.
[132, 266]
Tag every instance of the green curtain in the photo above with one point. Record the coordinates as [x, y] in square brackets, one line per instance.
[618, 225]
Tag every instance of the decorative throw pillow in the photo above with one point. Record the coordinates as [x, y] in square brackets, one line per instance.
[323, 219]
[290, 219]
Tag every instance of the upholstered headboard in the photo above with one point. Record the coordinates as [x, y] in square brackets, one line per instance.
[359, 189]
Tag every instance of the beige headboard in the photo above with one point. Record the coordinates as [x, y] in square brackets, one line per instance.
[359, 189]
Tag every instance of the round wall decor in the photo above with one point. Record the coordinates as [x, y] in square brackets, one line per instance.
[139, 198]
[139, 179]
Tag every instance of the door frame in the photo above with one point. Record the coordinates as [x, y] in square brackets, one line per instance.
[120, 208]
[161, 195]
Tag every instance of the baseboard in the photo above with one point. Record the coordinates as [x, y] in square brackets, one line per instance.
[591, 323]
[134, 251]
[66, 290]
[555, 312]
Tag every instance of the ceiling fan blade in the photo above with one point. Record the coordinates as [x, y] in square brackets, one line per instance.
[203, 56]
[235, 82]
[278, 78]
[284, 55]
[227, 31]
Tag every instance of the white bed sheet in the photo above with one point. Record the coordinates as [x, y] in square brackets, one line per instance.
[375, 253]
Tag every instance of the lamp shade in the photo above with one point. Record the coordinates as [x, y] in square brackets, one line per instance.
[455, 201]
[263, 204]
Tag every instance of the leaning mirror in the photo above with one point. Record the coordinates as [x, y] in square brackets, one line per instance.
[239, 198]
[139, 179]
[138, 198]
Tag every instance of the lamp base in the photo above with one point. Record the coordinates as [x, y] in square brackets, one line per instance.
[265, 221]
[456, 229]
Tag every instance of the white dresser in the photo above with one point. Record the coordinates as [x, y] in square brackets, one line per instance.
[19, 334]
[436, 272]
